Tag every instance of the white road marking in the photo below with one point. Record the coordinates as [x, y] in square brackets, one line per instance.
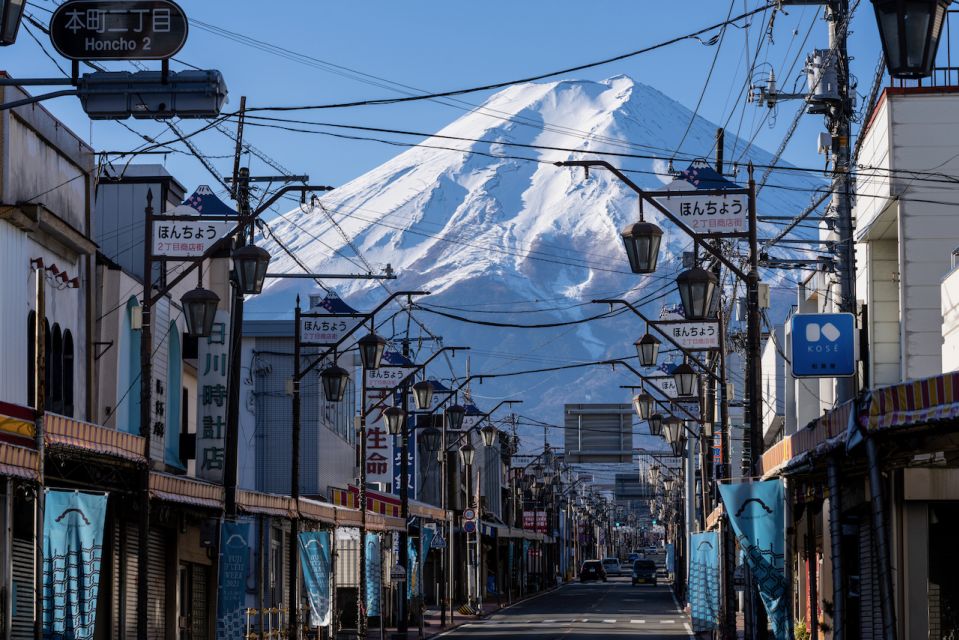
[637, 622]
[667, 622]
[609, 621]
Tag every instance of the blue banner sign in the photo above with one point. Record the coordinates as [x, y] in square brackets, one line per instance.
[823, 345]
[755, 510]
[410, 456]
[670, 558]
[315, 561]
[72, 548]
[374, 575]
[235, 545]
[704, 581]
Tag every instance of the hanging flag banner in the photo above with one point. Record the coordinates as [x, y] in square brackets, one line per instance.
[704, 581]
[72, 548]
[374, 574]
[412, 569]
[235, 545]
[670, 558]
[756, 513]
[212, 368]
[315, 561]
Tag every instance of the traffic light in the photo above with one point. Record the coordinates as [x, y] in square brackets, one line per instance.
[117, 95]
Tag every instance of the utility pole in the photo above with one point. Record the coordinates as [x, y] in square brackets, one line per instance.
[403, 615]
[146, 383]
[39, 403]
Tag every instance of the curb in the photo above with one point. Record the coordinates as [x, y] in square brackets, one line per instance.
[456, 626]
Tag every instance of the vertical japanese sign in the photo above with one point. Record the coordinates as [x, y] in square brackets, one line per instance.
[72, 549]
[374, 575]
[212, 367]
[410, 457]
[379, 442]
[315, 561]
[235, 547]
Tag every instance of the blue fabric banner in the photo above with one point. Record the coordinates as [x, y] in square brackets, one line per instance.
[72, 548]
[374, 575]
[704, 581]
[670, 558]
[755, 510]
[315, 562]
[235, 545]
[412, 570]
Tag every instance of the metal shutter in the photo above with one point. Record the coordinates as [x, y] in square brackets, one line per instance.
[869, 599]
[156, 581]
[199, 598]
[22, 627]
[129, 562]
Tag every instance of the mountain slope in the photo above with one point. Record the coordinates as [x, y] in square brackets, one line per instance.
[498, 233]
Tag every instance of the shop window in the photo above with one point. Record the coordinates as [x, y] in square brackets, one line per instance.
[943, 587]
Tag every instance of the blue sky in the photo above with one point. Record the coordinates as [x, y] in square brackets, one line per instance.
[433, 45]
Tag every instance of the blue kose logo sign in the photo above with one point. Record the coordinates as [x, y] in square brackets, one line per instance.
[823, 345]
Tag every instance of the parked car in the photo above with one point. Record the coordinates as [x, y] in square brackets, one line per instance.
[644, 572]
[633, 557]
[652, 549]
[612, 567]
[592, 570]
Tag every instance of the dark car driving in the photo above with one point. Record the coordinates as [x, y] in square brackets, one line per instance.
[592, 570]
[644, 572]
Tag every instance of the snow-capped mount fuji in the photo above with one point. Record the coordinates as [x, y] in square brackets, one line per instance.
[497, 233]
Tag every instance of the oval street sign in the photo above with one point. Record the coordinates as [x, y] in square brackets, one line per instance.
[118, 30]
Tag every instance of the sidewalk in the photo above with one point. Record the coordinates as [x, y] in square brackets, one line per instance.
[431, 620]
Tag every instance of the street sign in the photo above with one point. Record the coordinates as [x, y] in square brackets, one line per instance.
[398, 573]
[693, 336]
[326, 329]
[823, 345]
[666, 384]
[438, 542]
[469, 514]
[469, 526]
[705, 214]
[189, 236]
[387, 377]
[118, 30]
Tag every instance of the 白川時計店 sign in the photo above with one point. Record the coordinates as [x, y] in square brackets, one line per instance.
[118, 30]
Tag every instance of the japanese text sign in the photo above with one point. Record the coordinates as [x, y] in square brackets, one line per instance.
[706, 214]
[212, 368]
[326, 329]
[187, 238]
[387, 377]
[379, 442]
[692, 336]
[534, 521]
[118, 30]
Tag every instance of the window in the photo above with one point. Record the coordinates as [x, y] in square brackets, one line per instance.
[68, 376]
[58, 367]
[173, 408]
[55, 362]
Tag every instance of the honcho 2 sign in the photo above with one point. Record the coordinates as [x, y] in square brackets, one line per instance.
[118, 30]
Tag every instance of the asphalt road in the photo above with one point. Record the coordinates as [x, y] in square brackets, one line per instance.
[584, 611]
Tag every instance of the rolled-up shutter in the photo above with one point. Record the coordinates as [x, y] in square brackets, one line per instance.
[156, 583]
[130, 563]
[200, 611]
[23, 590]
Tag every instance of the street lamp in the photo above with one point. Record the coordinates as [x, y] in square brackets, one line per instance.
[454, 417]
[249, 266]
[655, 424]
[371, 348]
[910, 31]
[334, 379]
[653, 474]
[644, 404]
[467, 453]
[489, 433]
[538, 472]
[422, 394]
[199, 311]
[394, 416]
[647, 348]
[697, 286]
[668, 485]
[642, 240]
[675, 436]
[430, 437]
[11, 12]
[686, 378]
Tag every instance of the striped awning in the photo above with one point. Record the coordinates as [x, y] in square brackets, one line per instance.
[86, 436]
[17, 425]
[267, 504]
[912, 403]
[426, 511]
[18, 462]
[380, 503]
[185, 490]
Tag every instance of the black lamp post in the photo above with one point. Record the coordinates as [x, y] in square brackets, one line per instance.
[395, 417]
[371, 348]
[431, 439]
[334, 379]
[489, 433]
[467, 453]
[675, 435]
[655, 422]
[642, 240]
[199, 311]
[454, 417]
[647, 348]
[643, 403]
[686, 378]
[11, 12]
[249, 267]
[697, 286]
[910, 31]
[422, 395]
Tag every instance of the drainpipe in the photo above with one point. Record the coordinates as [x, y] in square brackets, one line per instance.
[881, 541]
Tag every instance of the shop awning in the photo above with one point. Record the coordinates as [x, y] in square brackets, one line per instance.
[912, 403]
[380, 503]
[185, 490]
[92, 438]
[17, 425]
[818, 434]
[18, 462]
[267, 504]
[426, 511]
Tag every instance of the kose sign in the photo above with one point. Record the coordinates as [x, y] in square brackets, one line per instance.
[123, 30]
